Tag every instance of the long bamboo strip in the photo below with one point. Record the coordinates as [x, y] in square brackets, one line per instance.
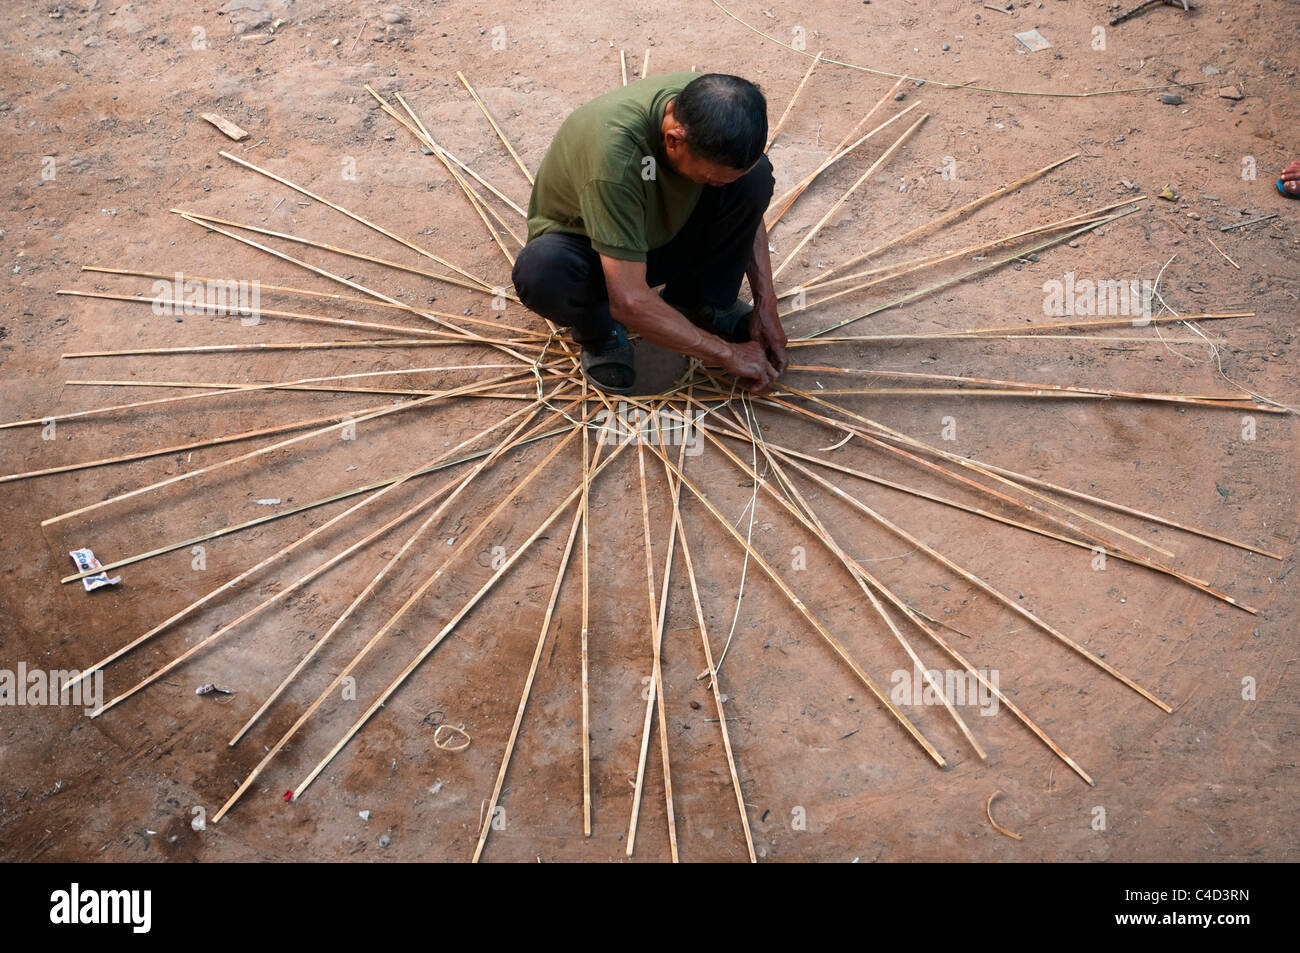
[802, 511]
[713, 673]
[842, 149]
[469, 335]
[906, 267]
[281, 593]
[981, 584]
[882, 430]
[261, 451]
[946, 217]
[1200, 399]
[511, 441]
[585, 506]
[273, 558]
[356, 218]
[262, 346]
[1027, 328]
[835, 644]
[320, 699]
[475, 200]
[840, 202]
[974, 272]
[280, 514]
[1082, 338]
[441, 335]
[178, 448]
[449, 627]
[780, 123]
[921, 494]
[903, 606]
[483, 182]
[1141, 514]
[497, 129]
[655, 695]
[286, 289]
[527, 689]
[472, 194]
[211, 222]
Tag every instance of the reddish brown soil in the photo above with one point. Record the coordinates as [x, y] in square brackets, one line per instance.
[114, 93]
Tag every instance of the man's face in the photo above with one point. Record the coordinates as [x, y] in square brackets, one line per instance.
[691, 166]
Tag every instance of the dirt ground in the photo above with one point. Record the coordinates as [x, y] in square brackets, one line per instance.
[100, 109]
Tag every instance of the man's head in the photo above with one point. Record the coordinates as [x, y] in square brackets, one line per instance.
[715, 129]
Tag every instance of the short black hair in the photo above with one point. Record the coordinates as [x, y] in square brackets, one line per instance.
[725, 119]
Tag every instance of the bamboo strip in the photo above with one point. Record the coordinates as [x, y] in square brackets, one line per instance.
[712, 670]
[586, 595]
[905, 267]
[527, 690]
[947, 217]
[1200, 584]
[447, 629]
[213, 467]
[980, 583]
[511, 441]
[479, 204]
[655, 695]
[830, 213]
[1055, 325]
[280, 514]
[841, 150]
[440, 317]
[356, 218]
[274, 557]
[448, 336]
[969, 274]
[907, 610]
[320, 699]
[780, 123]
[810, 521]
[830, 639]
[497, 129]
[1200, 399]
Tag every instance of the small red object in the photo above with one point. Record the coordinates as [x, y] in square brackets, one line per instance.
[288, 795]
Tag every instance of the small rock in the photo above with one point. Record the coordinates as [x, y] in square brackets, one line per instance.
[1231, 92]
[900, 97]
[364, 815]
[945, 47]
[1168, 194]
[1211, 70]
[695, 705]
[384, 840]
[1171, 99]
[394, 17]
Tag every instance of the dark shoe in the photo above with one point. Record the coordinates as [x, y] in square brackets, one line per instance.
[730, 324]
[609, 363]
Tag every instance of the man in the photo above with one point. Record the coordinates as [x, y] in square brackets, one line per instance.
[661, 182]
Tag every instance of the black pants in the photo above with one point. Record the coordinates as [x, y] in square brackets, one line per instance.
[558, 275]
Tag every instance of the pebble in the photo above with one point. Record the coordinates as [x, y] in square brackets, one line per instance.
[945, 47]
[384, 840]
[1231, 92]
[1171, 99]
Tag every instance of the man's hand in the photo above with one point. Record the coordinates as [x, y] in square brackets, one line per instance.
[749, 362]
[764, 326]
[765, 330]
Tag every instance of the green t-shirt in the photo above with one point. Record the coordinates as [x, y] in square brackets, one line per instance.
[606, 175]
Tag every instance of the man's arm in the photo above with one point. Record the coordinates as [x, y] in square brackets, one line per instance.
[764, 325]
[635, 306]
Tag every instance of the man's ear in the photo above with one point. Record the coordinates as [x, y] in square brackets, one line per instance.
[676, 137]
